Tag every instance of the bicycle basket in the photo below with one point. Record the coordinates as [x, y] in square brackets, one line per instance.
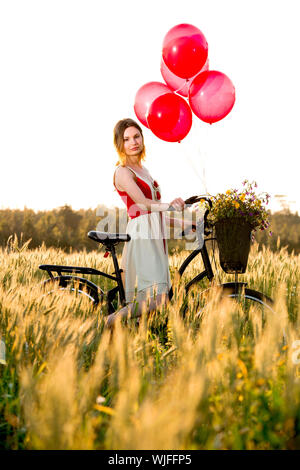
[233, 238]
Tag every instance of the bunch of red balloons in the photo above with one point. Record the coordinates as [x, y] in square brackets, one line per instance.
[184, 67]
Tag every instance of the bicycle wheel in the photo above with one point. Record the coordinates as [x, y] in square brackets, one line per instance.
[245, 297]
[80, 287]
[251, 310]
[251, 297]
[254, 303]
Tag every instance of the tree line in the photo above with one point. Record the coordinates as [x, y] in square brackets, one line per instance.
[67, 229]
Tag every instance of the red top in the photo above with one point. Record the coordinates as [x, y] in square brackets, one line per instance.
[132, 208]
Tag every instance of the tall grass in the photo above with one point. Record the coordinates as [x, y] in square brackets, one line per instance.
[214, 380]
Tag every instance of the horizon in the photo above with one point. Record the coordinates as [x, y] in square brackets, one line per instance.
[279, 207]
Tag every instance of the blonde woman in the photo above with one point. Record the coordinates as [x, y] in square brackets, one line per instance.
[145, 257]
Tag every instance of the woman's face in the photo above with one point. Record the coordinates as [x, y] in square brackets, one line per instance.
[133, 141]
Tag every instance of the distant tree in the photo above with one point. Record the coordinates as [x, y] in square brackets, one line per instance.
[66, 228]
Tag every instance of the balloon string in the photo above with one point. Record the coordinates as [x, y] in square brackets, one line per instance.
[202, 179]
[186, 81]
[200, 157]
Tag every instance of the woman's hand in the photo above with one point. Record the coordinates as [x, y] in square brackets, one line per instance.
[178, 204]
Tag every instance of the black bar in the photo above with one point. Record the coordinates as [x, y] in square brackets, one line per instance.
[74, 270]
[153, 458]
[187, 261]
[110, 297]
[118, 276]
[206, 262]
[198, 278]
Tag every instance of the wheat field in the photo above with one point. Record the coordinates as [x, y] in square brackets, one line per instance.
[220, 380]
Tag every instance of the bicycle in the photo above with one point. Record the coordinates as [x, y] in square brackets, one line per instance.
[66, 281]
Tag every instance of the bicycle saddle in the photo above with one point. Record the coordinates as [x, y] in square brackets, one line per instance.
[108, 238]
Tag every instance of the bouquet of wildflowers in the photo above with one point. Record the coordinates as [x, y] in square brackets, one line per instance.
[245, 204]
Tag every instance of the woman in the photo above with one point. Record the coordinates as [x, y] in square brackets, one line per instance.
[145, 256]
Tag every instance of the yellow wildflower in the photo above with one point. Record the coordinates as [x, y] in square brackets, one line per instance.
[228, 191]
[243, 368]
[236, 204]
[242, 197]
[105, 409]
[260, 381]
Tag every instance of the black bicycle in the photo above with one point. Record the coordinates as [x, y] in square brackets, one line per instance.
[113, 299]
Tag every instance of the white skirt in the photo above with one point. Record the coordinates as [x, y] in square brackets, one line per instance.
[145, 258]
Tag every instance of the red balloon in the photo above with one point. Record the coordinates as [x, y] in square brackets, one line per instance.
[145, 97]
[185, 50]
[211, 96]
[177, 84]
[170, 118]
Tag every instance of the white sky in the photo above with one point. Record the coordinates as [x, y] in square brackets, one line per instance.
[70, 70]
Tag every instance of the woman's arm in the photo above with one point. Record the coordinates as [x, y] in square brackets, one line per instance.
[125, 179]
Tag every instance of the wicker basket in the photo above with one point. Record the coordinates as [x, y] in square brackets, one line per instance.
[233, 238]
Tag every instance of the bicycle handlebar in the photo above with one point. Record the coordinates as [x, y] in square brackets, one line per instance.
[192, 200]
[189, 202]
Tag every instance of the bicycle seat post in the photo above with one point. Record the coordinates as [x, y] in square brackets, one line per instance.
[118, 274]
[236, 281]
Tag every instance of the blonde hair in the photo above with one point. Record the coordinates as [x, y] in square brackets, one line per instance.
[119, 130]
